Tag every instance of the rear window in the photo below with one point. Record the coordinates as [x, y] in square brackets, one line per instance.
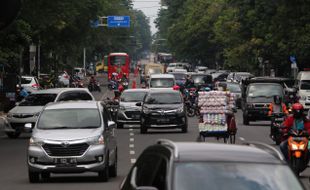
[26, 80]
[162, 83]
[38, 99]
[67, 96]
[118, 60]
[305, 85]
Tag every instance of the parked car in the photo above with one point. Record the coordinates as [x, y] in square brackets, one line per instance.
[163, 109]
[257, 94]
[169, 165]
[72, 137]
[162, 81]
[63, 79]
[128, 112]
[28, 110]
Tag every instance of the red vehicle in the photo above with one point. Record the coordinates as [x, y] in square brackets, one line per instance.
[118, 63]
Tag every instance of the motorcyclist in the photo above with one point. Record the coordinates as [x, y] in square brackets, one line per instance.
[189, 83]
[277, 106]
[297, 121]
[92, 80]
[124, 78]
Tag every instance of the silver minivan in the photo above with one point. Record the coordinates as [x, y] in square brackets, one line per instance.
[72, 137]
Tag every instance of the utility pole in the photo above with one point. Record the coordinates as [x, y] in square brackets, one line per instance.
[84, 58]
[39, 58]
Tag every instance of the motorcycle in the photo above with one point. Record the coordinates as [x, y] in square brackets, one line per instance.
[94, 86]
[77, 83]
[298, 150]
[191, 103]
[113, 106]
[112, 85]
[276, 121]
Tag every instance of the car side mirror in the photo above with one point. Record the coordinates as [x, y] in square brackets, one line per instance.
[28, 127]
[111, 124]
[139, 104]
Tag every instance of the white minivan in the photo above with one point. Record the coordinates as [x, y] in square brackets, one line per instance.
[302, 84]
[162, 81]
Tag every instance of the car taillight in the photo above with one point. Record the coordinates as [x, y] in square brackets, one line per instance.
[66, 76]
[35, 86]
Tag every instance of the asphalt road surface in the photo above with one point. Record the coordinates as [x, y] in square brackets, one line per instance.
[13, 167]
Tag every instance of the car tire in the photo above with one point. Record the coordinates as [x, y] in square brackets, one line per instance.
[120, 125]
[13, 135]
[45, 175]
[113, 168]
[143, 129]
[34, 177]
[104, 174]
[246, 120]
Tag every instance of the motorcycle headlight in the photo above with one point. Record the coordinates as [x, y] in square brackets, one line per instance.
[294, 147]
[302, 146]
[96, 140]
[35, 142]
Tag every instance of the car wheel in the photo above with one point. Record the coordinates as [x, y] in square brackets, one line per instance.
[120, 125]
[143, 129]
[45, 175]
[246, 120]
[184, 128]
[34, 177]
[113, 168]
[13, 135]
[104, 174]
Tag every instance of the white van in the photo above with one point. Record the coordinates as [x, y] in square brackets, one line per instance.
[162, 81]
[302, 84]
[80, 72]
[172, 66]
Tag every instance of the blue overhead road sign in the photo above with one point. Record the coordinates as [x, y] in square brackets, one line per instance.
[118, 21]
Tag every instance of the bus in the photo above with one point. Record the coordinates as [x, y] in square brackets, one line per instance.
[118, 63]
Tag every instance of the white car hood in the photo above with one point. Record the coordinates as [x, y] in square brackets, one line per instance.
[66, 134]
[26, 109]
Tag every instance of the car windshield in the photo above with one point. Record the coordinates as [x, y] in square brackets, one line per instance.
[26, 80]
[305, 85]
[198, 79]
[264, 90]
[38, 99]
[162, 83]
[69, 119]
[133, 96]
[233, 87]
[172, 65]
[179, 76]
[233, 176]
[163, 98]
[118, 60]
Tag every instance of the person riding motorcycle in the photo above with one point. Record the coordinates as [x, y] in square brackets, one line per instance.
[189, 83]
[277, 106]
[297, 121]
[92, 80]
[124, 78]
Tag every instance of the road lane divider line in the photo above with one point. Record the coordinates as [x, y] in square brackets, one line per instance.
[131, 129]
[131, 139]
[131, 146]
[131, 134]
[133, 160]
[242, 139]
[132, 152]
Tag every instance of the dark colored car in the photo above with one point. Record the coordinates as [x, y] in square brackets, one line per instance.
[202, 80]
[219, 76]
[256, 98]
[180, 78]
[191, 166]
[163, 109]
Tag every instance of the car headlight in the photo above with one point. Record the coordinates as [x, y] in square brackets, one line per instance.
[35, 142]
[96, 140]
[9, 115]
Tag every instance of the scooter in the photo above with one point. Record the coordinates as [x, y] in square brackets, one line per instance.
[94, 86]
[276, 121]
[298, 150]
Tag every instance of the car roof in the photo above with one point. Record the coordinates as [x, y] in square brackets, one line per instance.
[72, 105]
[162, 76]
[137, 90]
[59, 90]
[193, 151]
[163, 90]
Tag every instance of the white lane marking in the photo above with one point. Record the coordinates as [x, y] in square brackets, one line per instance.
[131, 129]
[131, 139]
[131, 134]
[242, 139]
[131, 146]
[133, 160]
[132, 152]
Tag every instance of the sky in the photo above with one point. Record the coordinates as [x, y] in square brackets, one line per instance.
[150, 9]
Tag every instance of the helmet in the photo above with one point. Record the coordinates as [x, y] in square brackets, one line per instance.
[298, 110]
[207, 89]
[277, 99]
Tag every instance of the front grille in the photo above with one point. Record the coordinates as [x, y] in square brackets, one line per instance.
[62, 150]
[261, 105]
[131, 114]
[22, 115]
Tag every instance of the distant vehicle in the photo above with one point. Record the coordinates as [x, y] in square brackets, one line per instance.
[63, 79]
[91, 69]
[163, 109]
[201, 69]
[192, 166]
[234, 88]
[152, 68]
[164, 58]
[30, 83]
[80, 72]
[180, 78]
[28, 110]
[172, 66]
[118, 63]
[128, 112]
[302, 84]
[72, 137]
[202, 80]
[257, 94]
[238, 76]
[162, 81]
[180, 70]
[219, 76]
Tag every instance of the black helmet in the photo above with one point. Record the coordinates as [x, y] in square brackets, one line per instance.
[277, 99]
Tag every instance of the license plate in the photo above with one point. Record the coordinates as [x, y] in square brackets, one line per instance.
[163, 120]
[65, 161]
